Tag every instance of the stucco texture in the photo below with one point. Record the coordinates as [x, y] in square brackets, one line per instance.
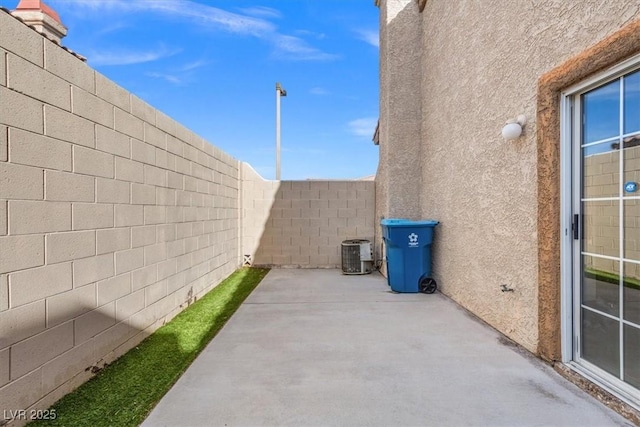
[480, 63]
[398, 176]
[611, 50]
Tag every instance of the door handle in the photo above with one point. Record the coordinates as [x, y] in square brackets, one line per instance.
[576, 227]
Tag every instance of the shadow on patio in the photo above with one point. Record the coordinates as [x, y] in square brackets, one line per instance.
[125, 390]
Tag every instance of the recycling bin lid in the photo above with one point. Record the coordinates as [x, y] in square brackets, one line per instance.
[402, 222]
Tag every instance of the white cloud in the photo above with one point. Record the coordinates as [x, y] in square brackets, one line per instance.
[197, 12]
[213, 18]
[308, 33]
[318, 91]
[262, 11]
[128, 57]
[369, 36]
[193, 65]
[294, 48]
[112, 28]
[365, 126]
[168, 77]
[180, 75]
[209, 15]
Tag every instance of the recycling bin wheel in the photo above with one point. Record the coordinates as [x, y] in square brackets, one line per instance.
[428, 285]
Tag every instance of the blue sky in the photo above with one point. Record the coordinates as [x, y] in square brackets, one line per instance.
[213, 64]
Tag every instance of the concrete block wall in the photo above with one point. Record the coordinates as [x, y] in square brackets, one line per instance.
[602, 218]
[303, 223]
[113, 218]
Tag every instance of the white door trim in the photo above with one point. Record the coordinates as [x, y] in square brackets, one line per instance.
[569, 261]
[566, 230]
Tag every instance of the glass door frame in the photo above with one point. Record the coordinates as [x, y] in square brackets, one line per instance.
[570, 250]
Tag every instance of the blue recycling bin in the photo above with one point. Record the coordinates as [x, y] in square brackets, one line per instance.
[408, 257]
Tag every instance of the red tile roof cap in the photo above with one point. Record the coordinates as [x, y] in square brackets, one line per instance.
[38, 5]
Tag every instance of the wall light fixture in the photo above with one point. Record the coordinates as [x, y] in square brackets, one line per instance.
[513, 129]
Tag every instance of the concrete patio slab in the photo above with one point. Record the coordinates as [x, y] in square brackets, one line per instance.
[314, 347]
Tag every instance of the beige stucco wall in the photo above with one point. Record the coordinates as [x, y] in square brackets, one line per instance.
[480, 65]
[302, 223]
[398, 192]
[113, 218]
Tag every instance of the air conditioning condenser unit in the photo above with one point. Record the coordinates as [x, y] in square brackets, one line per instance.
[357, 257]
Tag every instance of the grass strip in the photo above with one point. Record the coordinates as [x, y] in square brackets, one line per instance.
[124, 393]
[608, 277]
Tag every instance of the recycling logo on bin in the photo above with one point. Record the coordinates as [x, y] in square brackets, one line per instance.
[413, 240]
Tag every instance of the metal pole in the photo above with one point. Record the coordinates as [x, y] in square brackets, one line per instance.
[279, 92]
[277, 131]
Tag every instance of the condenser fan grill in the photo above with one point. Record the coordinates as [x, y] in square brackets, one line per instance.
[356, 257]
